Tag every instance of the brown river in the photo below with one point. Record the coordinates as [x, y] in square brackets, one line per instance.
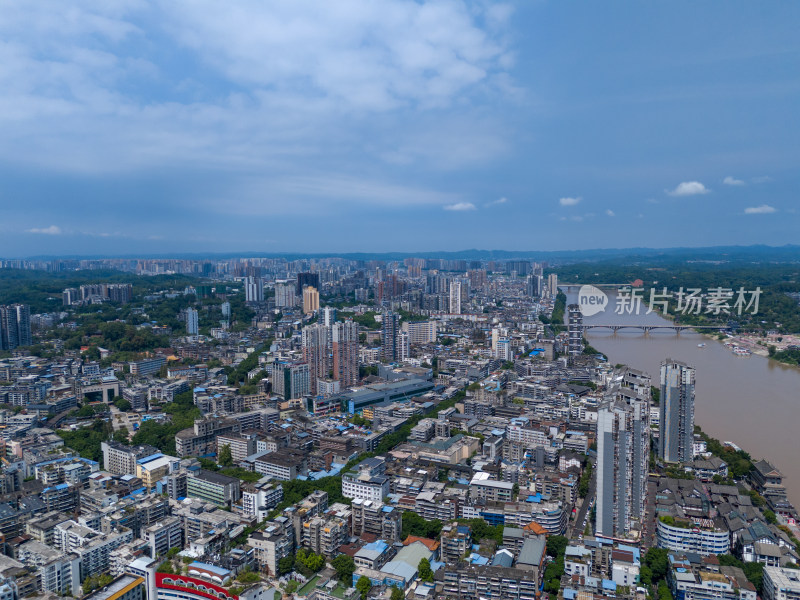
[751, 401]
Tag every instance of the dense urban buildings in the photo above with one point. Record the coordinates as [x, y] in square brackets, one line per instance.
[391, 412]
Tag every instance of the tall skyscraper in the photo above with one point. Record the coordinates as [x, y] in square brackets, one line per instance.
[403, 346]
[310, 300]
[676, 412]
[70, 296]
[8, 328]
[307, 279]
[534, 286]
[316, 353]
[390, 330]
[552, 284]
[623, 449]
[328, 316]
[23, 316]
[574, 330]
[226, 311]
[192, 322]
[15, 326]
[344, 338]
[253, 290]
[285, 296]
[291, 380]
[455, 297]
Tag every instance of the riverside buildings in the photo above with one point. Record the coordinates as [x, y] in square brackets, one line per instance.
[676, 412]
[623, 448]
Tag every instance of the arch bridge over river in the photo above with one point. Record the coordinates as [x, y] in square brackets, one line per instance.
[649, 328]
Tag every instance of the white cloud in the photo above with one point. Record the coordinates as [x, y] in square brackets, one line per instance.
[762, 179]
[732, 181]
[362, 54]
[689, 188]
[52, 230]
[570, 201]
[610, 213]
[460, 206]
[764, 209]
[290, 92]
[497, 202]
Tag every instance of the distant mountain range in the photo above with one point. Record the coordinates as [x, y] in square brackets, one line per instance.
[727, 254]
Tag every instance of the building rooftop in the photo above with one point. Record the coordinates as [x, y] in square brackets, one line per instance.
[213, 477]
[116, 588]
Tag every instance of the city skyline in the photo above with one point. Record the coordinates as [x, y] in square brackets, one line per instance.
[139, 129]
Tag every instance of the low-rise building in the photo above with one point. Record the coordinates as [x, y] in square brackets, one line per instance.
[213, 487]
[258, 499]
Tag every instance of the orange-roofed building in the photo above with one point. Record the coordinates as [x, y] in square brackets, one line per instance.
[432, 545]
[535, 528]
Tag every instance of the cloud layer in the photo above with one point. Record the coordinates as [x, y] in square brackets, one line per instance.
[272, 97]
[569, 201]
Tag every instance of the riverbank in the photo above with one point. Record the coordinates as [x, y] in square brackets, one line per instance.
[752, 402]
[731, 341]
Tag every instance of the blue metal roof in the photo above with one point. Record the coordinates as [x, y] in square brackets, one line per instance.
[147, 459]
[214, 569]
[377, 545]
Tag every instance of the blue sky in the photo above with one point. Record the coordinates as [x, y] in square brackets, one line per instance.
[389, 125]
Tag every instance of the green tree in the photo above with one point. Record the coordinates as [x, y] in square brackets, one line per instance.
[413, 524]
[663, 591]
[166, 567]
[86, 441]
[425, 571]
[345, 567]
[397, 593]
[556, 545]
[657, 561]
[586, 478]
[247, 576]
[286, 565]
[645, 576]
[121, 436]
[225, 458]
[122, 404]
[363, 585]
